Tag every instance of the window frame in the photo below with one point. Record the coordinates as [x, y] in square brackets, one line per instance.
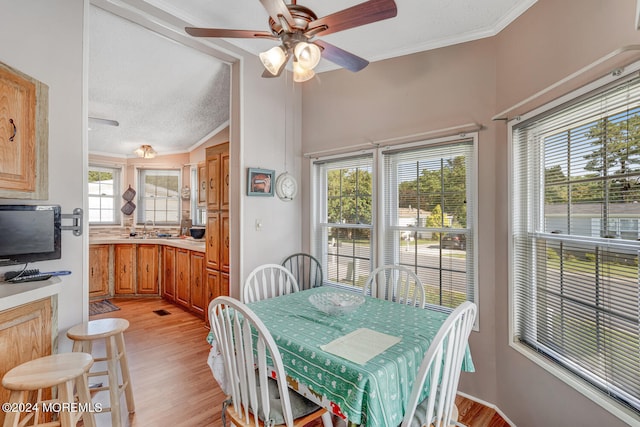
[318, 205]
[555, 368]
[140, 214]
[471, 194]
[117, 173]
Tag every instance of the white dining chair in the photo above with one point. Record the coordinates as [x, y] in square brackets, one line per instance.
[440, 369]
[268, 281]
[246, 347]
[395, 283]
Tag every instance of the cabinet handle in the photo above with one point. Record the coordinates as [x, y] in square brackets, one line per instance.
[91, 271]
[124, 268]
[211, 183]
[211, 242]
[15, 130]
[181, 275]
[226, 242]
[204, 185]
[226, 179]
[147, 268]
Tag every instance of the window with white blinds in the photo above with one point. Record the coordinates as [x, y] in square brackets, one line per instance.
[575, 237]
[429, 208]
[343, 227]
[159, 196]
[104, 202]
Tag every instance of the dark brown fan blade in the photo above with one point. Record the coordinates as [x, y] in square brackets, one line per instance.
[355, 16]
[222, 33]
[341, 57]
[277, 8]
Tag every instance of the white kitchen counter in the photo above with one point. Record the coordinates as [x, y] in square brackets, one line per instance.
[189, 243]
[15, 294]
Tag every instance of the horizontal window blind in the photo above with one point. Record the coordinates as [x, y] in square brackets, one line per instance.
[343, 233]
[429, 208]
[575, 221]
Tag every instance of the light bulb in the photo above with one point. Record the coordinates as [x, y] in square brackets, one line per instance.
[307, 54]
[273, 59]
[300, 73]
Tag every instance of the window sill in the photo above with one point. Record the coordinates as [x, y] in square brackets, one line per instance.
[597, 396]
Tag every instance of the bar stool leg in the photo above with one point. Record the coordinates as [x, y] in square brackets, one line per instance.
[12, 418]
[124, 369]
[82, 385]
[65, 394]
[112, 373]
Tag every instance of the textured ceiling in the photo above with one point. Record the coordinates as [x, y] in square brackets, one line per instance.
[160, 92]
[171, 96]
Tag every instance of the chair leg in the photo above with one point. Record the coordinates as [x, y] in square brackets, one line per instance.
[82, 386]
[327, 421]
[126, 377]
[114, 383]
[65, 395]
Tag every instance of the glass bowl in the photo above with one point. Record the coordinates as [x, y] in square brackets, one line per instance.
[336, 303]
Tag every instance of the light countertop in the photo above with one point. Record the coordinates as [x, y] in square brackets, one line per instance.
[184, 243]
[15, 294]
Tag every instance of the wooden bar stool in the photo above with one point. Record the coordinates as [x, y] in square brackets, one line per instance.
[111, 330]
[64, 370]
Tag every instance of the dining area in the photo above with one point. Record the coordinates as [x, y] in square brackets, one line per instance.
[287, 353]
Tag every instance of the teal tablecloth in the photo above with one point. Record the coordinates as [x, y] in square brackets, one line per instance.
[373, 394]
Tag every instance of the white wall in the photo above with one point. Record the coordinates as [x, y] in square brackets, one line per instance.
[44, 39]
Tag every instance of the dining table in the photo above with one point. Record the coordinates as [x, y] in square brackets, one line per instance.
[361, 365]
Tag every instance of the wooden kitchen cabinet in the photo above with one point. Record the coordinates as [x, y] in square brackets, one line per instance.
[213, 240]
[202, 183]
[183, 270]
[213, 181]
[98, 270]
[198, 285]
[147, 268]
[124, 265]
[169, 276]
[224, 242]
[23, 135]
[224, 181]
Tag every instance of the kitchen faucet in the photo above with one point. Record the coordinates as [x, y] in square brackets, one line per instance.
[144, 229]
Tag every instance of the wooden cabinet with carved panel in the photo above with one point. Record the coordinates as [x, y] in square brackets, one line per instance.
[23, 135]
[213, 181]
[183, 270]
[198, 285]
[98, 270]
[224, 181]
[213, 240]
[124, 265]
[202, 183]
[147, 268]
[224, 242]
[26, 333]
[169, 276]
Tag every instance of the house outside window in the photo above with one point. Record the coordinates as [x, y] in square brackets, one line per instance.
[159, 196]
[429, 216]
[427, 196]
[575, 206]
[103, 195]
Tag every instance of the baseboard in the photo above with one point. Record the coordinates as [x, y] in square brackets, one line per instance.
[488, 405]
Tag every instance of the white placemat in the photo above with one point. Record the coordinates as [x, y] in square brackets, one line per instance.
[360, 345]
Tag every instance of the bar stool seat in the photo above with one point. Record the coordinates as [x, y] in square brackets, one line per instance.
[111, 330]
[64, 370]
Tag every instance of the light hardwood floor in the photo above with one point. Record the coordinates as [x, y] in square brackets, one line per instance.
[172, 383]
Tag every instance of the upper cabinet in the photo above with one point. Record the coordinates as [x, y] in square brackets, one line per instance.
[202, 183]
[218, 177]
[24, 133]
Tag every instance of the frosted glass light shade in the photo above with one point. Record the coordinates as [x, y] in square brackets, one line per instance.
[273, 59]
[145, 151]
[301, 74]
[307, 54]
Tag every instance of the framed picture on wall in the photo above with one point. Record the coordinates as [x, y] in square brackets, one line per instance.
[260, 182]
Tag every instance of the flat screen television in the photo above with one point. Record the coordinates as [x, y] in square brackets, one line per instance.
[29, 233]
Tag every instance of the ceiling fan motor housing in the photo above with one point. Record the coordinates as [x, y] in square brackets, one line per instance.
[302, 16]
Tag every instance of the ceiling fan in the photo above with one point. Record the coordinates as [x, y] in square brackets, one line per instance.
[295, 26]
